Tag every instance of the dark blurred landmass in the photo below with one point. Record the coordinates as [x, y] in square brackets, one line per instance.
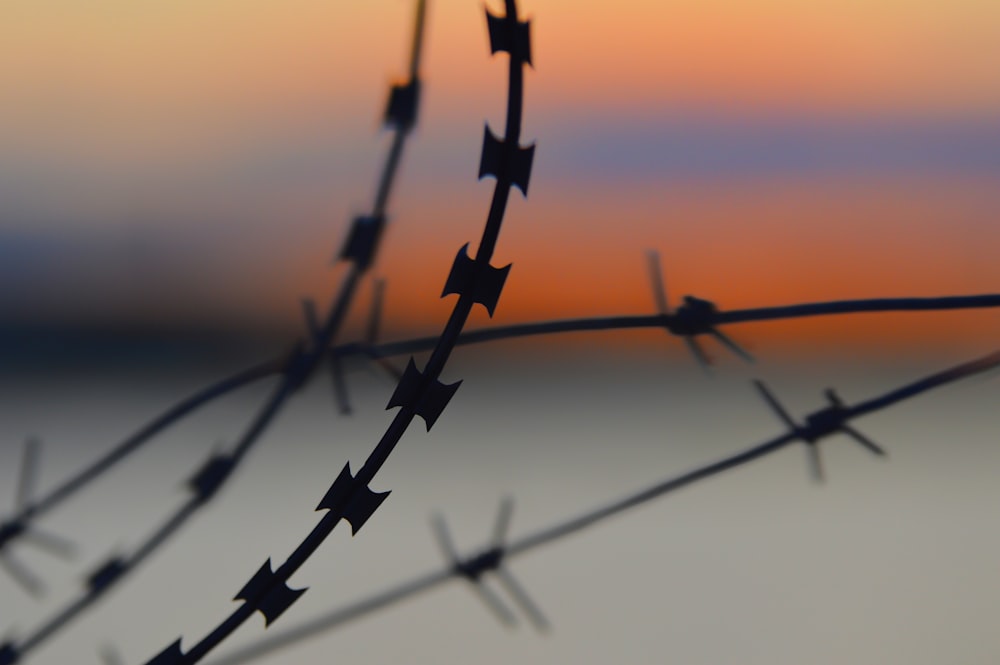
[32, 348]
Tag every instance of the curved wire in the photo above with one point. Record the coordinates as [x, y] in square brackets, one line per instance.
[638, 321]
[299, 366]
[418, 393]
[277, 366]
[295, 369]
[429, 580]
[140, 437]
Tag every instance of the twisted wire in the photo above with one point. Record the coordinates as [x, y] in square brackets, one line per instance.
[295, 370]
[419, 393]
[494, 556]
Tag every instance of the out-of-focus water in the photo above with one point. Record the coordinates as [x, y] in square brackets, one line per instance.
[892, 561]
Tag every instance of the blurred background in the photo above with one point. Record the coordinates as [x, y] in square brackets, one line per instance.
[174, 177]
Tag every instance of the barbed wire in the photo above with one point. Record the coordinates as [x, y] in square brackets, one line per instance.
[417, 393]
[686, 322]
[295, 368]
[473, 567]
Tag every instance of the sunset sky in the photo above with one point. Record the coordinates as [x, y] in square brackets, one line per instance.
[195, 163]
[188, 170]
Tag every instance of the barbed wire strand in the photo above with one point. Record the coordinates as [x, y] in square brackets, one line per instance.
[360, 249]
[490, 559]
[692, 318]
[417, 393]
[14, 526]
[639, 321]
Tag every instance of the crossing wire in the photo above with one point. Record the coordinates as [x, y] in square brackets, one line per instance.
[295, 370]
[421, 392]
[418, 393]
[488, 560]
[14, 526]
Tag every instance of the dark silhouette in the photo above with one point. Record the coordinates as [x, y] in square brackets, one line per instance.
[491, 558]
[819, 425]
[296, 368]
[27, 511]
[694, 317]
[419, 392]
[15, 529]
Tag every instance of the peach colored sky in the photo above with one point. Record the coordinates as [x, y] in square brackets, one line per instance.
[186, 56]
[772, 151]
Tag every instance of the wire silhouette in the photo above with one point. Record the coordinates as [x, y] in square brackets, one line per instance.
[475, 281]
[295, 370]
[212, 475]
[50, 543]
[27, 511]
[694, 317]
[475, 565]
[418, 393]
[819, 425]
[490, 560]
[717, 318]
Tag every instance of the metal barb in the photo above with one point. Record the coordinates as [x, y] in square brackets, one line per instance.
[807, 437]
[694, 317]
[471, 570]
[699, 353]
[375, 314]
[51, 543]
[732, 346]
[521, 597]
[313, 327]
[443, 537]
[819, 425]
[21, 574]
[657, 282]
[474, 567]
[334, 362]
[502, 524]
[373, 329]
[775, 405]
[59, 547]
[506, 578]
[28, 477]
[493, 602]
[339, 383]
[864, 441]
